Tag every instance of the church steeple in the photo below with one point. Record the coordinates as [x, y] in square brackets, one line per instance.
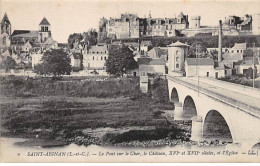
[44, 30]
[5, 25]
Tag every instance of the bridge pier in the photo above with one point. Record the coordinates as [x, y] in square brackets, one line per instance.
[196, 129]
[178, 111]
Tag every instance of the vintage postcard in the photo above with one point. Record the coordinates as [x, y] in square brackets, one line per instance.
[129, 81]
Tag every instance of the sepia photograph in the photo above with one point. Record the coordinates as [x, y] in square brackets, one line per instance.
[129, 81]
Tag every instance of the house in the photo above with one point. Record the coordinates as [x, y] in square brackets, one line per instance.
[144, 46]
[158, 52]
[76, 59]
[151, 66]
[36, 59]
[199, 66]
[94, 59]
[242, 66]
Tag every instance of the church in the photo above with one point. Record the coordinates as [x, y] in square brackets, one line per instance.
[33, 40]
[5, 36]
[22, 44]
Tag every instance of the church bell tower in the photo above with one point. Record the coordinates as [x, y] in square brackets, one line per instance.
[44, 30]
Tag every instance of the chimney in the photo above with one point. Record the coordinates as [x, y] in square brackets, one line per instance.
[220, 41]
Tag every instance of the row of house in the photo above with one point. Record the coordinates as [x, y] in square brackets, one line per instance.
[132, 26]
[25, 46]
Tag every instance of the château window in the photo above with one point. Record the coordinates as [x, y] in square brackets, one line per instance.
[46, 29]
[42, 28]
[93, 58]
[177, 65]
[177, 52]
[4, 41]
[177, 59]
[105, 58]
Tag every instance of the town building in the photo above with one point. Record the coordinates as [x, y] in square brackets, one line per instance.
[245, 64]
[132, 26]
[151, 66]
[94, 59]
[199, 67]
[177, 53]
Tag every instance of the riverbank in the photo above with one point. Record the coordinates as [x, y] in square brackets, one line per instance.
[101, 121]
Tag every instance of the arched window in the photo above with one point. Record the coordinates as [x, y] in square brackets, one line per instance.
[105, 58]
[4, 40]
[177, 59]
[177, 52]
[177, 65]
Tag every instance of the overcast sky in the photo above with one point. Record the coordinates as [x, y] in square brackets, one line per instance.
[69, 16]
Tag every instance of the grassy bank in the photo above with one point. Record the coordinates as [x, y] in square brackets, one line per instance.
[20, 87]
[66, 118]
[106, 112]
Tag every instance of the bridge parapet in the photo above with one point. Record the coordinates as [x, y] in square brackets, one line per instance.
[231, 86]
[224, 98]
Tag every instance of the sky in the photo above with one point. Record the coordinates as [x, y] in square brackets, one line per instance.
[76, 16]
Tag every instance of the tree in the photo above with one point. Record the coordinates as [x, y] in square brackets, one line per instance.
[73, 38]
[54, 62]
[120, 60]
[9, 63]
[200, 49]
[90, 37]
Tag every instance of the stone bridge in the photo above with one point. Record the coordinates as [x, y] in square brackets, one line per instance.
[218, 110]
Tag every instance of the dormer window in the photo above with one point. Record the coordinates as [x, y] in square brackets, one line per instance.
[179, 20]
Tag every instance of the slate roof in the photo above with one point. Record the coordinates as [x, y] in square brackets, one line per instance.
[44, 22]
[99, 49]
[234, 56]
[26, 34]
[161, 52]
[18, 32]
[5, 18]
[200, 61]
[240, 46]
[178, 44]
[150, 61]
[248, 62]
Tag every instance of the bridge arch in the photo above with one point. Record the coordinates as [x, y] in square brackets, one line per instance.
[216, 127]
[174, 95]
[189, 107]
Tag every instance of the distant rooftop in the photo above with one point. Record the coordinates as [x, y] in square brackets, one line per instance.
[44, 22]
[200, 61]
[178, 44]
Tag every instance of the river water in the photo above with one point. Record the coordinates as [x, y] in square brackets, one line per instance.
[11, 152]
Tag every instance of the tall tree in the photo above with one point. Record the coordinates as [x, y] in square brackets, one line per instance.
[73, 38]
[91, 37]
[200, 49]
[54, 62]
[120, 60]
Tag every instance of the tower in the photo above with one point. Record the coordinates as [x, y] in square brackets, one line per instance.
[5, 25]
[177, 53]
[44, 30]
[195, 22]
[5, 34]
